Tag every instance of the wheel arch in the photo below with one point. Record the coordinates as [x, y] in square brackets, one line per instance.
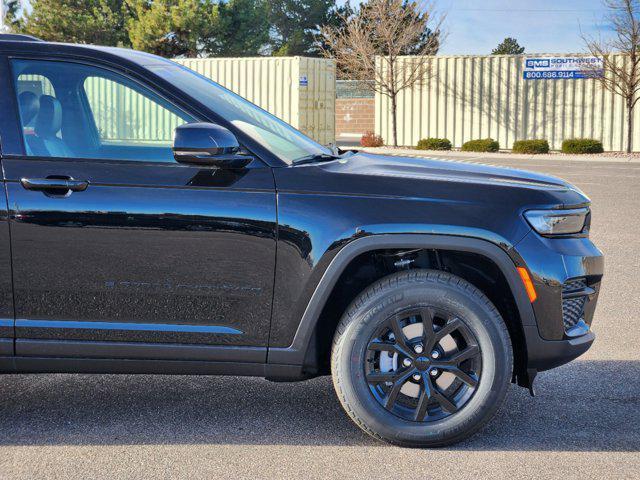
[302, 343]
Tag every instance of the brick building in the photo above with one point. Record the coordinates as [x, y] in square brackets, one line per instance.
[355, 111]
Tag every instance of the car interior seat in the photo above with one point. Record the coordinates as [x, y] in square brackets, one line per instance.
[48, 123]
[29, 106]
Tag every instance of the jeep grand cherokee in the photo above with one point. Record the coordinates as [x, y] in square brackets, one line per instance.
[155, 222]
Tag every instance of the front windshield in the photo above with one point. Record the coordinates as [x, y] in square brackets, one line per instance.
[278, 137]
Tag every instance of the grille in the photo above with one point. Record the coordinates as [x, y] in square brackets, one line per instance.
[573, 308]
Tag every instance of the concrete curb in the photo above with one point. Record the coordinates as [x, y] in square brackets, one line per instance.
[478, 156]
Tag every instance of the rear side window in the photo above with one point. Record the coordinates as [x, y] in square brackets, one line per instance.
[37, 84]
[72, 110]
[30, 88]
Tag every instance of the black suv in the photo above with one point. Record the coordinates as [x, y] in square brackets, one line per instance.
[155, 222]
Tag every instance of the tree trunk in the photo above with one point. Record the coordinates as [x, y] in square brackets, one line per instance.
[394, 119]
[629, 126]
[393, 94]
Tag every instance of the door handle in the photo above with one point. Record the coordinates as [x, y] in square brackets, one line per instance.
[66, 184]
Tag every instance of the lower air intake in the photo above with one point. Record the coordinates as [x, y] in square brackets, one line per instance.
[572, 305]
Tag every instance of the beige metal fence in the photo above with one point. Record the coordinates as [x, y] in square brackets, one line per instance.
[298, 90]
[124, 115]
[470, 97]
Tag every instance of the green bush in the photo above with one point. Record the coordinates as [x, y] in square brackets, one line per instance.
[582, 145]
[434, 144]
[484, 145]
[530, 146]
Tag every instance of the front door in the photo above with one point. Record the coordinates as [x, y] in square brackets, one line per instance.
[116, 247]
[6, 289]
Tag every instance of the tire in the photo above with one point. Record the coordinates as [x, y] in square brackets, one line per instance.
[367, 348]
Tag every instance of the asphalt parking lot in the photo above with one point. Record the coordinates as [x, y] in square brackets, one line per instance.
[584, 423]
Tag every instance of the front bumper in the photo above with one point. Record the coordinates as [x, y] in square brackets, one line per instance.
[546, 354]
[556, 267]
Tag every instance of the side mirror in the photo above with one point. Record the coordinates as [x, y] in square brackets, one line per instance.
[207, 144]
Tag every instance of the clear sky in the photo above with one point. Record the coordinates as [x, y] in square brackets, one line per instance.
[553, 26]
[541, 26]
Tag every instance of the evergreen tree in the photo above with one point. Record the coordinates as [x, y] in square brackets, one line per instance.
[196, 28]
[243, 29]
[509, 46]
[11, 8]
[172, 28]
[295, 25]
[100, 22]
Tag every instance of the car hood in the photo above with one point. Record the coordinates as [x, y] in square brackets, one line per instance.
[449, 170]
[434, 179]
[446, 179]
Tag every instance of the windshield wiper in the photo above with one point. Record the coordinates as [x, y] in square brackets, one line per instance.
[319, 157]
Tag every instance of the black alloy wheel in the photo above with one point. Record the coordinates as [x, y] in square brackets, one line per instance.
[425, 373]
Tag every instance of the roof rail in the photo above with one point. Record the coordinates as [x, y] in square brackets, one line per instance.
[15, 37]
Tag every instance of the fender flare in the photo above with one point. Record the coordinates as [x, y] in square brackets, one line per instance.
[295, 353]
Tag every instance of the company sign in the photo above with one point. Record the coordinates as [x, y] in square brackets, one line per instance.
[559, 68]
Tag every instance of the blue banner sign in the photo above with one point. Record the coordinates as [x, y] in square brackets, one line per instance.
[562, 68]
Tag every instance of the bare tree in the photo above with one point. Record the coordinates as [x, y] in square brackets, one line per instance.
[385, 30]
[621, 74]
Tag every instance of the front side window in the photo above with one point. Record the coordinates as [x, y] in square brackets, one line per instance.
[284, 141]
[72, 110]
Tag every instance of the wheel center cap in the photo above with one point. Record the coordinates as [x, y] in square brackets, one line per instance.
[422, 363]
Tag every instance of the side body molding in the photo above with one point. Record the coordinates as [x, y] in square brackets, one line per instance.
[295, 353]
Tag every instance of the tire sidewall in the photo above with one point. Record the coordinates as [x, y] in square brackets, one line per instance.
[473, 309]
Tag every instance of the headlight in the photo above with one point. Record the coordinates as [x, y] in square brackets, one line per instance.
[557, 222]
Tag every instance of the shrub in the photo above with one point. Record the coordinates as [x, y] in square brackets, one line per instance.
[370, 139]
[484, 145]
[530, 146]
[582, 145]
[434, 144]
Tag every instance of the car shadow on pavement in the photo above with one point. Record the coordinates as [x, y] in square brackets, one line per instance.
[583, 406]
